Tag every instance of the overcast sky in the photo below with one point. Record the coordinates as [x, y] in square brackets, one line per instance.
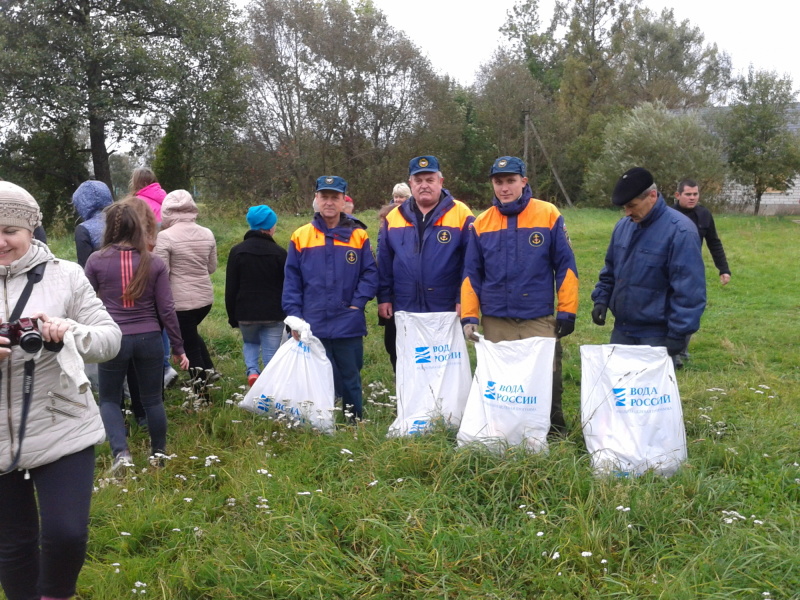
[459, 35]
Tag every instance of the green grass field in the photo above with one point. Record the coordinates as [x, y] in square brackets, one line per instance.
[250, 509]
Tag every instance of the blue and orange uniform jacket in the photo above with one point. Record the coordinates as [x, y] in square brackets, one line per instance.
[424, 275]
[518, 257]
[328, 271]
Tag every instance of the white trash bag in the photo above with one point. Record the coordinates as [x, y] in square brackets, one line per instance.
[297, 382]
[512, 392]
[631, 410]
[433, 372]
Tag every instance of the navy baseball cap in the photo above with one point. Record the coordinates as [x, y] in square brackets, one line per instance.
[631, 185]
[423, 164]
[331, 182]
[508, 164]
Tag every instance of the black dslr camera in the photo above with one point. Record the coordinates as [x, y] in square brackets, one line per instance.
[23, 333]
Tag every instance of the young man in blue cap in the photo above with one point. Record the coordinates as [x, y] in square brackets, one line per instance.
[330, 276]
[422, 246]
[253, 289]
[654, 278]
[519, 257]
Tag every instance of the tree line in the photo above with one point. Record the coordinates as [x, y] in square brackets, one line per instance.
[252, 105]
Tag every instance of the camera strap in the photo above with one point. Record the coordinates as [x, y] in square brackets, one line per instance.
[34, 276]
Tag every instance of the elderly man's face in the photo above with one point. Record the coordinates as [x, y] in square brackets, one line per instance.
[426, 188]
[689, 197]
[638, 208]
[330, 203]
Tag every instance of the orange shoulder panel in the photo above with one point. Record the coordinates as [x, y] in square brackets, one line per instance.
[357, 239]
[396, 219]
[490, 220]
[307, 236]
[538, 214]
[456, 216]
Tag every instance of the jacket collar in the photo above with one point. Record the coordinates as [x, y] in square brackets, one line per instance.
[342, 230]
[446, 202]
[37, 253]
[515, 207]
[658, 209]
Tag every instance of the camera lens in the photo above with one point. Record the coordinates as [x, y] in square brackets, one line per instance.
[31, 342]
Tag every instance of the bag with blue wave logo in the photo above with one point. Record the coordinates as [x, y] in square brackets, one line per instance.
[509, 402]
[631, 410]
[297, 384]
[433, 372]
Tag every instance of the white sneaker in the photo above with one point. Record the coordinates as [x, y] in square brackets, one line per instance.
[121, 461]
[170, 375]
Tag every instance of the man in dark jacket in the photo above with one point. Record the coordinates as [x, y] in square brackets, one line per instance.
[253, 289]
[686, 202]
[330, 276]
[653, 279]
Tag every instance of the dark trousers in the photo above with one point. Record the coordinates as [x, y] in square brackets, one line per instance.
[618, 337]
[196, 351]
[145, 354]
[390, 340]
[45, 560]
[347, 358]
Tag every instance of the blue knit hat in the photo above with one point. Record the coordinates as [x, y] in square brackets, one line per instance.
[261, 217]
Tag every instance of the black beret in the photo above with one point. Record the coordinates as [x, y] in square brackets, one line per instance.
[632, 184]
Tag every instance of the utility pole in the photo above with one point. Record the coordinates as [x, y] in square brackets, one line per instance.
[549, 162]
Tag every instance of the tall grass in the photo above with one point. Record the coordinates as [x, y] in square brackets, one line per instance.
[249, 508]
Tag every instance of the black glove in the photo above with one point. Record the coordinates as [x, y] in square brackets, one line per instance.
[564, 327]
[599, 314]
[675, 345]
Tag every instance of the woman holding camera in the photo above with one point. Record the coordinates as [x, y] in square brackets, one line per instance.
[49, 421]
[134, 285]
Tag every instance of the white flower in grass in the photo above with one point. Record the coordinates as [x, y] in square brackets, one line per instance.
[586, 554]
[603, 562]
[235, 421]
[556, 556]
[181, 477]
[192, 458]
[176, 529]
[211, 459]
[345, 451]
[303, 493]
[539, 533]
[187, 500]
[758, 522]
[523, 506]
[400, 480]
[140, 584]
[624, 508]
[764, 387]
[124, 533]
[373, 483]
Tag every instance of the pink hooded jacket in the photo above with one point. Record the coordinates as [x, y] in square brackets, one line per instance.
[154, 195]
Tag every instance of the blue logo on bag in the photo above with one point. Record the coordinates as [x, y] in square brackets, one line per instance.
[264, 403]
[638, 397]
[303, 347]
[418, 426]
[423, 354]
[490, 391]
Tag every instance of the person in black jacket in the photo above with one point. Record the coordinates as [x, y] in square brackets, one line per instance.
[253, 289]
[686, 202]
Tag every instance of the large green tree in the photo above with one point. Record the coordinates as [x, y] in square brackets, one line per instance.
[336, 89]
[762, 151]
[671, 146]
[109, 65]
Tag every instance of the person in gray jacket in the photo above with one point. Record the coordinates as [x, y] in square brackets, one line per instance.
[49, 421]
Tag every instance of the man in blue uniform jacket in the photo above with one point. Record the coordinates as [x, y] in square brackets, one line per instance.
[330, 276]
[653, 279]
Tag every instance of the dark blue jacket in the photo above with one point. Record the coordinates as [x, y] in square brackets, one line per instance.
[424, 275]
[327, 272]
[654, 278]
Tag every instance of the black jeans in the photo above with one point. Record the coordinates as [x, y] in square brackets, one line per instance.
[193, 344]
[30, 568]
[144, 352]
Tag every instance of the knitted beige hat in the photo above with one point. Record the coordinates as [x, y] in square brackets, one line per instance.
[18, 208]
